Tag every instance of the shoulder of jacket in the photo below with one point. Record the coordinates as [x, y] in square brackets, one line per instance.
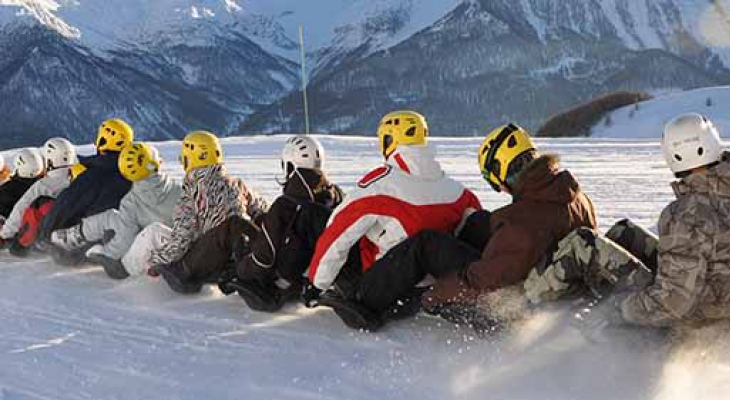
[374, 176]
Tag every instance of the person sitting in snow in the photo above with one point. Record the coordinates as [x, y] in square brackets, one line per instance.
[21, 227]
[113, 232]
[408, 194]
[547, 204]
[101, 187]
[273, 272]
[29, 168]
[213, 215]
[680, 278]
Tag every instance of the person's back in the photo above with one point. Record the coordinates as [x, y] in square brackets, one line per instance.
[214, 211]
[692, 283]
[547, 204]
[409, 194]
[101, 187]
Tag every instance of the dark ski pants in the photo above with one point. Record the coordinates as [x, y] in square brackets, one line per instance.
[404, 266]
[209, 256]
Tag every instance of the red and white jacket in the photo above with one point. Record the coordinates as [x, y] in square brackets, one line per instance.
[408, 194]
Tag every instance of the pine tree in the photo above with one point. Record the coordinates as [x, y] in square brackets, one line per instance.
[709, 102]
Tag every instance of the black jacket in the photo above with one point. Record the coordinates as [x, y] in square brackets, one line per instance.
[100, 188]
[11, 191]
[293, 224]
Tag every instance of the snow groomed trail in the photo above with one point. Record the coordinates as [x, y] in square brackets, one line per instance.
[75, 334]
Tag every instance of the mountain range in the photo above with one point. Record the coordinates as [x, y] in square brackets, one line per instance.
[232, 66]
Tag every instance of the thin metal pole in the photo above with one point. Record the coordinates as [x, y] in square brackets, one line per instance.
[304, 79]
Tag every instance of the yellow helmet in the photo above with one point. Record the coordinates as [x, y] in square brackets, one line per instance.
[407, 128]
[501, 147]
[76, 170]
[200, 149]
[138, 161]
[114, 134]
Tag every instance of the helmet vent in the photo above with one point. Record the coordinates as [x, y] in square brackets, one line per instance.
[512, 142]
[411, 131]
[700, 151]
[678, 157]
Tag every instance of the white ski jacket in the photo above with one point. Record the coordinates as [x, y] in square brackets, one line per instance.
[408, 194]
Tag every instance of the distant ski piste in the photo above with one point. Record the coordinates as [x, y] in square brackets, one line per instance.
[75, 334]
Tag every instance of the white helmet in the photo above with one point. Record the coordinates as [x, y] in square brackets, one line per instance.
[59, 153]
[690, 141]
[29, 163]
[302, 152]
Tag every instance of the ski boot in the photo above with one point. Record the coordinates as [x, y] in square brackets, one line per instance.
[353, 314]
[173, 274]
[112, 267]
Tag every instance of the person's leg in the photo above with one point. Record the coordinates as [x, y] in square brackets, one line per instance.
[638, 241]
[403, 267]
[209, 256]
[137, 259]
[585, 261]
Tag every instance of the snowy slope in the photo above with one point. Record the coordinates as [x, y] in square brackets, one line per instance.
[650, 118]
[74, 334]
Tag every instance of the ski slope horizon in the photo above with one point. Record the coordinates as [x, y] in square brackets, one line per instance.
[75, 334]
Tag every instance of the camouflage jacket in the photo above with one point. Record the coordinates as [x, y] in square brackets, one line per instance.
[693, 279]
[209, 198]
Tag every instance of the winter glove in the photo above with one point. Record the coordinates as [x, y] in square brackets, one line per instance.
[310, 296]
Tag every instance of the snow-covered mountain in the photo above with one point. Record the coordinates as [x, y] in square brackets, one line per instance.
[489, 61]
[646, 120]
[212, 62]
[232, 65]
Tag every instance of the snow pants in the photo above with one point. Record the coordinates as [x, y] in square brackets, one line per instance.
[31, 223]
[409, 263]
[110, 229]
[587, 263]
[137, 260]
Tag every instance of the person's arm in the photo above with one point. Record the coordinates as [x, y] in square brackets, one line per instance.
[346, 227]
[506, 260]
[683, 258]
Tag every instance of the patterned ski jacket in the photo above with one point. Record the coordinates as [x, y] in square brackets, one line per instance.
[209, 197]
[693, 280]
[409, 194]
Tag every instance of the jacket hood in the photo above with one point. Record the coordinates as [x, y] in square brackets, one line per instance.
[213, 170]
[542, 180]
[59, 173]
[417, 161]
[153, 186]
[715, 181]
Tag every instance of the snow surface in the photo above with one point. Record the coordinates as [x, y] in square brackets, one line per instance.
[650, 118]
[75, 334]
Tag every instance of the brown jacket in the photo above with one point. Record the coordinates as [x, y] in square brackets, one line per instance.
[547, 205]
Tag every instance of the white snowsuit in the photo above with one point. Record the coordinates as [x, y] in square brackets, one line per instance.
[50, 186]
[149, 201]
